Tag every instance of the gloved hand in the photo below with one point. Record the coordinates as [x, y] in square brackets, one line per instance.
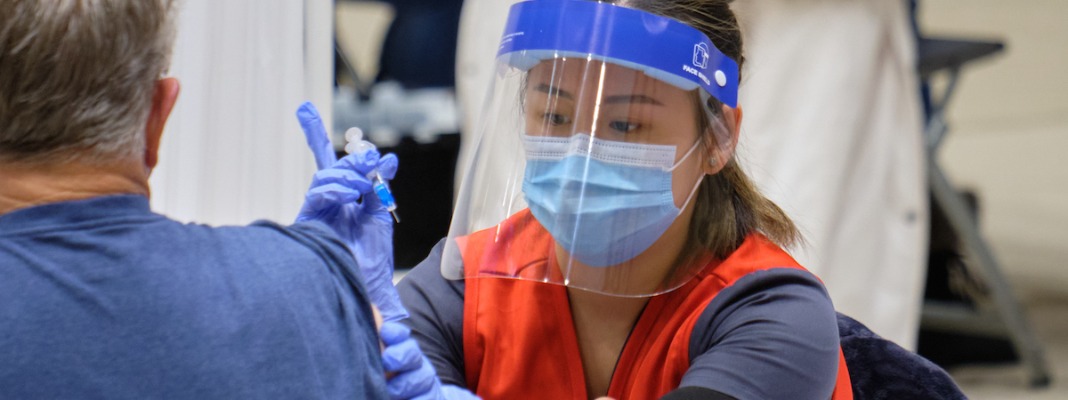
[341, 197]
[413, 377]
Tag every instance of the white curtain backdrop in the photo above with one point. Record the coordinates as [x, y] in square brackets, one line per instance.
[481, 25]
[832, 134]
[233, 152]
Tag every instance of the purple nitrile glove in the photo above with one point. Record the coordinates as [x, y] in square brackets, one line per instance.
[413, 377]
[341, 196]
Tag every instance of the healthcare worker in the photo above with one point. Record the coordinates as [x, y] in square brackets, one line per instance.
[627, 254]
[860, 196]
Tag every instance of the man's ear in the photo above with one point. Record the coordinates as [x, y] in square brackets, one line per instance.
[164, 96]
[719, 155]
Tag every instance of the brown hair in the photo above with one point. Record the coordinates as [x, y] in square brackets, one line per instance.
[77, 76]
[728, 206]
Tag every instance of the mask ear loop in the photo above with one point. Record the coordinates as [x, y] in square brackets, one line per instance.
[700, 178]
[685, 156]
[692, 191]
[716, 124]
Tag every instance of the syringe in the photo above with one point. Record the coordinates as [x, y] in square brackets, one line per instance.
[354, 137]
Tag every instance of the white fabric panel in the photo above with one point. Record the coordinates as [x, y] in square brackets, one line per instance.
[481, 25]
[832, 133]
[233, 151]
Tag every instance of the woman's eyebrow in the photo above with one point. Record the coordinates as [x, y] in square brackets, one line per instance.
[553, 91]
[632, 98]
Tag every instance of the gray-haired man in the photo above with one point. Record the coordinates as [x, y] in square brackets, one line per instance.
[102, 298]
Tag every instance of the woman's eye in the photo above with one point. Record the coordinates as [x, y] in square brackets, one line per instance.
[623, 126]
[556, 119]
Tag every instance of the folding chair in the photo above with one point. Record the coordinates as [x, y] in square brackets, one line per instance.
[996, 312]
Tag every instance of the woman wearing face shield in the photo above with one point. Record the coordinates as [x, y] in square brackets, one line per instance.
[627, 254]
[604, 242]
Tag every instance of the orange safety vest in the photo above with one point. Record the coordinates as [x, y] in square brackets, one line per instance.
[519, 339]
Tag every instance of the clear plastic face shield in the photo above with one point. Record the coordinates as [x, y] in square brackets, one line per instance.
[596, 137]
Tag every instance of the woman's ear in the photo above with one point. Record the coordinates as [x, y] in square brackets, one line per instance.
[718, 155]
[734, 121]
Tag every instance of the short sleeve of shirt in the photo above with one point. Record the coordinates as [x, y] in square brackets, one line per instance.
[436, 309]
[771, 335]
[326, 245]
[352, 304]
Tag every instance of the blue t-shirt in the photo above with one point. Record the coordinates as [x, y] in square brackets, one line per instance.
[102, 298]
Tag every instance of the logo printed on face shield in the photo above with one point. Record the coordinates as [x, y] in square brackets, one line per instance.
[604, 202]
[700, 55]
[700, 75]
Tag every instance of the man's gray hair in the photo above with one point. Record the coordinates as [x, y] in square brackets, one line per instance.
[77, 76]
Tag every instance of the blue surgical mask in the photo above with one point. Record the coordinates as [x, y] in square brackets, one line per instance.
[604, 202]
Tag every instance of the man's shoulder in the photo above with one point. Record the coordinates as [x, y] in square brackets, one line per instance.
[266, 237]
[311, 235]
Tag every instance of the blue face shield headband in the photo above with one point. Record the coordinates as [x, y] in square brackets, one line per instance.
[661, 47]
